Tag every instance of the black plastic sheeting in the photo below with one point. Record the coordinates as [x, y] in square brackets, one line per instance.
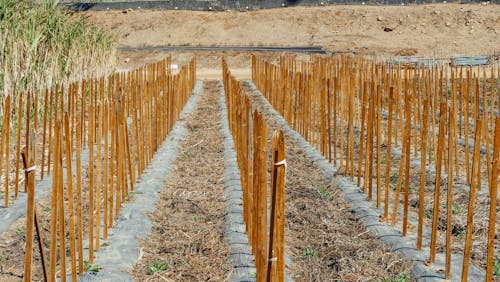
[306, 49]
[222, 5]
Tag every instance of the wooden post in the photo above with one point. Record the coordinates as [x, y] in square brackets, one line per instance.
[449, 198]
[260, 194]
[276, 257]
[493, 202]
[422, 174]
[18, 144]
[30, 211]
[5, 144]
[442, 120]
[388, 156]
[69, 180]
[472, 199]
[54, 207]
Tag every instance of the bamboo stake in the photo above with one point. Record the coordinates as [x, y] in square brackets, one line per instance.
[493, 202]
[18, 146]
[442, 120]
[60, 209]
[362, 134]
[5, 142]
[69, 180]
[472, 198]
[276, 257]
[54, 208]
[260, 188]
[408, 130]
[388, 156]
[79, 201]
[45, 113]
[421, 199]
[91, 179]
[30, 211]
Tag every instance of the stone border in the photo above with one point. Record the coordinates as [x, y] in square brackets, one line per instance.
[367, 213]
[134, 224]
[241, 256]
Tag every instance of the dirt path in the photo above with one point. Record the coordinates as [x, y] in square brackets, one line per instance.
[186, 242]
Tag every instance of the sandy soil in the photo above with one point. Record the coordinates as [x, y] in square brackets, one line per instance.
[430, 30]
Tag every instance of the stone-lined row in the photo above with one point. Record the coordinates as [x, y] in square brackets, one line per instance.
[368, 214]
[134, 224]
[241, 256]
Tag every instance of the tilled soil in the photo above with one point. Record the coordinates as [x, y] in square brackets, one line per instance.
[186, 242]
[324, 240]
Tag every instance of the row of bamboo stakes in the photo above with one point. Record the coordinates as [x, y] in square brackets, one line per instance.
[121, 120]
[249, 132]
[428, 109]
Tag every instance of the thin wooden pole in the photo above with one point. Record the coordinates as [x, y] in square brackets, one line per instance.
[18, 144]
[422, 174]
[276, 257]
[30, 210]
[472, 199]
[69, 181]
[5, 144]
[435, 216]
[493, 203]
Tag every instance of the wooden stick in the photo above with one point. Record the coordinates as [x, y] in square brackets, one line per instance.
[493, 202]
[260, 188]
[45, 113]
[379, 140]
[388, 156]
[79, 201]
[27, 136]
[91, 178]
[451, 147]
[69, 180]
[54, 207]
[60, 209]
[472, 199]
[5, 143]
[435, 216]
[30, 211]
[276, 257]
[421, 199]
[407, 140]
[18, 144]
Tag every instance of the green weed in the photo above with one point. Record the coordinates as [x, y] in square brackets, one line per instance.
[91, 268]
[325, 193]
[157, 267]
[309, 252]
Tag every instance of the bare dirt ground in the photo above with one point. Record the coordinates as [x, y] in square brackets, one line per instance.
[430, 30]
